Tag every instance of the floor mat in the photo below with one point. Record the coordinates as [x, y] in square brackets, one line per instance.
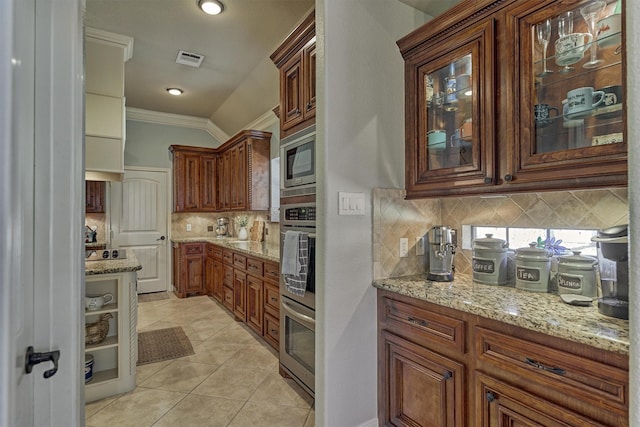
[163, 344]
[154, 296]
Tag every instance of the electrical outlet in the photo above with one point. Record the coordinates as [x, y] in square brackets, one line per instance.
[188, 227]
[209, 227]
[266, 231]
[419, 245]
[404, 247]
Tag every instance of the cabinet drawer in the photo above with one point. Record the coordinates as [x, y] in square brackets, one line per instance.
[590, 381]
[272, 299]
[240, 261]
[431, 329]
[227, 256]
[193, 248]
[217, 252]
[254, 266]
[272, 271]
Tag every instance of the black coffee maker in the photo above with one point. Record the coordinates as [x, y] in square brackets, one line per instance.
[613, 263]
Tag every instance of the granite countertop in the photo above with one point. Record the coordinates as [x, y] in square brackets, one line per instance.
[541, 312]
[128, 264]
[262, 250]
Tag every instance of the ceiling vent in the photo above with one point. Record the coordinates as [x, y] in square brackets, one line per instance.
[189, 58]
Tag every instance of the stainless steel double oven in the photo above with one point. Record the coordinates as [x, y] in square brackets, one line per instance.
[298, 312]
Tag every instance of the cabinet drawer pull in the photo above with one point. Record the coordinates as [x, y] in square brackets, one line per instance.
[417, 321]
[490, 397]
[274, 299]
[274, 332]
[538, 365]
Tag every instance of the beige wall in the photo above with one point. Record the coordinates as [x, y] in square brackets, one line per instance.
[199, 222]
[394, 217]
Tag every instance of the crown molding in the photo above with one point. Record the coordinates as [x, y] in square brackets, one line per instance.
[148, 116]
[125, 41]
[264, 122]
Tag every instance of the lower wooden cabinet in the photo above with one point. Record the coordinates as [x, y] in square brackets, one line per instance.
[255, 304]
[443, 367]
[422, 388]
[240, 295]
[189, 269]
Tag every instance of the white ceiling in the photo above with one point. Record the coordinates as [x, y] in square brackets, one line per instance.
[237, 81]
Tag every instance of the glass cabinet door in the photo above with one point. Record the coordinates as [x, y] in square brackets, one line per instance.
[450, 142]
[572, 91]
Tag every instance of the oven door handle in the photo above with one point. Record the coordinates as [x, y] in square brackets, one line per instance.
[304, 319]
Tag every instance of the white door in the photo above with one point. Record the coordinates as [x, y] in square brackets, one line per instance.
[41, 210]
[139, 213]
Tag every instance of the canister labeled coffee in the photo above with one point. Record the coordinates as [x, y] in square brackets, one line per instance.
[489, 260]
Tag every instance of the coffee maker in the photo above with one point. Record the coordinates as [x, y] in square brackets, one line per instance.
[442, 248]
[613, 263]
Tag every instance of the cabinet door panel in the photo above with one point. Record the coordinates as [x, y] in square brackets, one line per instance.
[208, 184]
[309, 94]
[421, 387]
[255, 309]
[95, 192]
[561, 136]
[450, 132]
[291, 93]
[240, 295]
[218, 280]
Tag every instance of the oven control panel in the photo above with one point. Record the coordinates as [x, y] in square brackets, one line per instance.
[300, 213]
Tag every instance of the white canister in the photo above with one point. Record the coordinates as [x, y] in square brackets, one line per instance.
[532, 269]
[489, 262]
[577, 275]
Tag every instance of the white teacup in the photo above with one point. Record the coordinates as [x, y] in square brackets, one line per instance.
[580, 102]
[570, 48]
[96, 303]
[609, 31]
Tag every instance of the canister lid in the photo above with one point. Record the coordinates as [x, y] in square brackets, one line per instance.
[489, 242]
[531, 252]
[577, 260]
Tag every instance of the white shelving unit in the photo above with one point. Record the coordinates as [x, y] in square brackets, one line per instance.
[115, 358]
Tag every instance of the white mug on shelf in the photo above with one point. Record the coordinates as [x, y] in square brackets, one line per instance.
[96, 302]
[582, 100]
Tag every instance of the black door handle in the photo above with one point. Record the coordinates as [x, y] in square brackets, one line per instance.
[161, 238]
[32, 358]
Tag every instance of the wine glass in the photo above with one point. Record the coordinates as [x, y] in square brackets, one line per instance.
[543, 31]
[591, 13]
[565, 27]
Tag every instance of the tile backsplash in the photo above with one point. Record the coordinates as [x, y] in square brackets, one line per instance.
[394, 217]
[200, 221]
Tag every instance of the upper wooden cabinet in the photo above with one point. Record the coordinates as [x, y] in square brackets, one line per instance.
[194, 179]
[95, 194]
[234, 176]
[296, 60]
[484, 115]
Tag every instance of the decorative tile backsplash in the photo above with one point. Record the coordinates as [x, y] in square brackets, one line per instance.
[99, 221]
[394, 217]
[200, 221]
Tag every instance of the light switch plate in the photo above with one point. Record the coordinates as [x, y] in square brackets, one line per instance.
[188, 227]
[350, 203]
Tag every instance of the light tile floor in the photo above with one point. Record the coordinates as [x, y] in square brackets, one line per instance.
[231, 380]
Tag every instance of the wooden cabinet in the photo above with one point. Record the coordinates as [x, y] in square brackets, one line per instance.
[255, 304]
[442, 367]
[240, 295]
[296, 61]
[194, 179]
[479, 123]
[215, 273]
[189, 269]
[243, 172]
[95, 194]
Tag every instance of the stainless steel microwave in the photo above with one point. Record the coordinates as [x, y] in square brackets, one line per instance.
[298, 159]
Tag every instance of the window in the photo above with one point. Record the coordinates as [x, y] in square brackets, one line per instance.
[518, 237]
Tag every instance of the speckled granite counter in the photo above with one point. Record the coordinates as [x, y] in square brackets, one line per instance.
[541, 312]
[256, 249]
[131, 263]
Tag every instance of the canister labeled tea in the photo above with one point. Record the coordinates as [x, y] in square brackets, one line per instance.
[532, 269]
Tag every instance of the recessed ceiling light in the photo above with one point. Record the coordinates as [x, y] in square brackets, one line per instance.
[211, 7]
[175, 91]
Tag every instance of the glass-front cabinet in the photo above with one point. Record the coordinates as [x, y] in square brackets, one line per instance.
[570, 93]
[516, 95]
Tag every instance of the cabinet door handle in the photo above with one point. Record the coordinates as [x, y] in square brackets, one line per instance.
[534, 363]
[490, 397]
[309, 106]
[447, 375]
[417, 321]
[488, 180]
[508, 177]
